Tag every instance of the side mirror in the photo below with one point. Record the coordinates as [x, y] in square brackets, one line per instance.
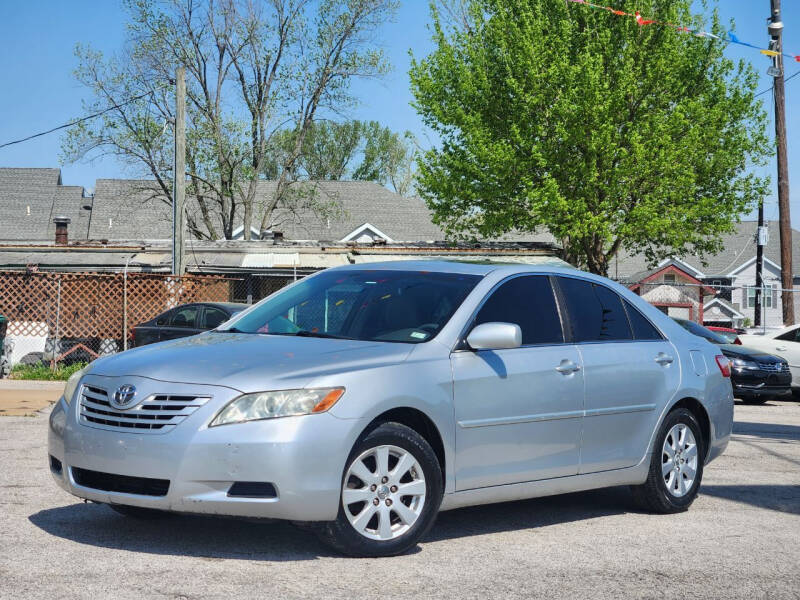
[495, 336]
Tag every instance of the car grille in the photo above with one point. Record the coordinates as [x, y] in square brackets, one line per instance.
[158, 413]
[774, 367]
[122, 484]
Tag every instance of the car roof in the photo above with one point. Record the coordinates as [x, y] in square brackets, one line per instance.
[458, 266]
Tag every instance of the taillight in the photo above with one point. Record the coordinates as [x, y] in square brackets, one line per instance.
[724, 365]
[737, 341]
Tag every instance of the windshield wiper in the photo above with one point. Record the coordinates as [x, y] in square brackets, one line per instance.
[306, 333]
[231, 330]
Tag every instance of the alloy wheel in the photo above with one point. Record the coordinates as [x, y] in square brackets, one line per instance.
[679, 460]
[384, 492]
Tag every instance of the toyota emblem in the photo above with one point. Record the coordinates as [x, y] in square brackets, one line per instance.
[124, 396]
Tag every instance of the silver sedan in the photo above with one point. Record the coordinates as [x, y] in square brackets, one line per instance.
[363, 400]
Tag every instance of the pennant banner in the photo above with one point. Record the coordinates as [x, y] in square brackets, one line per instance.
[642, 22]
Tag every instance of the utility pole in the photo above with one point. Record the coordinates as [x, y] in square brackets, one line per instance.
[775, 29]
[760, 242]
[179, 173]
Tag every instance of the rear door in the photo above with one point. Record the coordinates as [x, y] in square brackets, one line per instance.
[518, 411]
[630, 372]
[182, 323]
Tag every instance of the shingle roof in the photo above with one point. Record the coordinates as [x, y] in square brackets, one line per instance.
[133, 209]
[26, 202]
[738, 248]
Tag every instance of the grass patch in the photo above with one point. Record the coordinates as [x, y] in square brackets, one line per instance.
[43, 372]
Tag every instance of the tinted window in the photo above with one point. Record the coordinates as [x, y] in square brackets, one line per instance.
[790, 336]
[380, 305]
[528, 302]
[701, 331]
[642, 328]
[185, 317]
[163, 319]
[214, 317]
[595, 312]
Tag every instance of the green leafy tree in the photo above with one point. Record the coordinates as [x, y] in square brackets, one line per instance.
[609, 134]
[361, 150]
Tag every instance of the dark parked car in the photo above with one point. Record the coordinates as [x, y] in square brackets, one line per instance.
[755, 375]
[185, 320]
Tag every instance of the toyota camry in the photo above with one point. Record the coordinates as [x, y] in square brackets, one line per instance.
[363, 400]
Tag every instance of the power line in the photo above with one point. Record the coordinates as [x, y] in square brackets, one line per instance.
[81, 120]
[769, 89]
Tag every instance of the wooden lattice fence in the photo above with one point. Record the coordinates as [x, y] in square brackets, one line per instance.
[82, 315]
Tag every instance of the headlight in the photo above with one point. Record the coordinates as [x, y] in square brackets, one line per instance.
[749, 365]
[72, 383]
[282, 403]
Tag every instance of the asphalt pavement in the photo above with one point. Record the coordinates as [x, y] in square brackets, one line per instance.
[740, 539]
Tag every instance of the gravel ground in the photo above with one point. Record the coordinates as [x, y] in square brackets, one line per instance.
[740, 539]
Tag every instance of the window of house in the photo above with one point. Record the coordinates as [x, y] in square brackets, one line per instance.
[669, 278]
[766, 297]
[716, 283]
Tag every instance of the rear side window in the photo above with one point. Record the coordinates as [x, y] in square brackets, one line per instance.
[790, 336]
[642, 328]
[214, 317]
[529, 302]
[595, 312]
[185, 317]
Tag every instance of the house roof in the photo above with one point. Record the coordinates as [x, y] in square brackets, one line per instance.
[739, 247]
[27, 199]
[637, 279]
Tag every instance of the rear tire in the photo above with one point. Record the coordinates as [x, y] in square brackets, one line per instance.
[137, 512]
[375, 517]
[676, 466]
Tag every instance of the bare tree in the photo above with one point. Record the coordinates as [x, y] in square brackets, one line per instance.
[254, 68]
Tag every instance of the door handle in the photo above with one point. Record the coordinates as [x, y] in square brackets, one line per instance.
[664, 359]
[780, 348]
[567, 367]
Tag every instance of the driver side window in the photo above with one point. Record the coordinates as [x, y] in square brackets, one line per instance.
[529, 302]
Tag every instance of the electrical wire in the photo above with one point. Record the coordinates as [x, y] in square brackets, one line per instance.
[75, 122]
[769, 89]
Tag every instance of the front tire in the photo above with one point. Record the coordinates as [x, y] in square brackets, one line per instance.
[676, 466]
[391, 491]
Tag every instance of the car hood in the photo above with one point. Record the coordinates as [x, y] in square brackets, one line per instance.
[736, 351]
[248, 362]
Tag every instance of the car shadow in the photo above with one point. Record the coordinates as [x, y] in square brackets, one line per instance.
[531, 514]
[211, 538]
[782, 498]
[770, 430]
[218, 538]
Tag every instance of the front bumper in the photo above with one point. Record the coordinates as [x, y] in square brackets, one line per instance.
[760, 384]
[302, 457]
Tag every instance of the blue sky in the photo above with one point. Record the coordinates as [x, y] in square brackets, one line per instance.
[39, 92]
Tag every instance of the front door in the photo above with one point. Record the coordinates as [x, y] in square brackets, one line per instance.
[518, 411]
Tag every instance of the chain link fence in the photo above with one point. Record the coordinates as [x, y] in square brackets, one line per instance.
[62, 318]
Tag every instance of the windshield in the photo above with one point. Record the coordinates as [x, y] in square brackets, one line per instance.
[388, 306]
[701, 331]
